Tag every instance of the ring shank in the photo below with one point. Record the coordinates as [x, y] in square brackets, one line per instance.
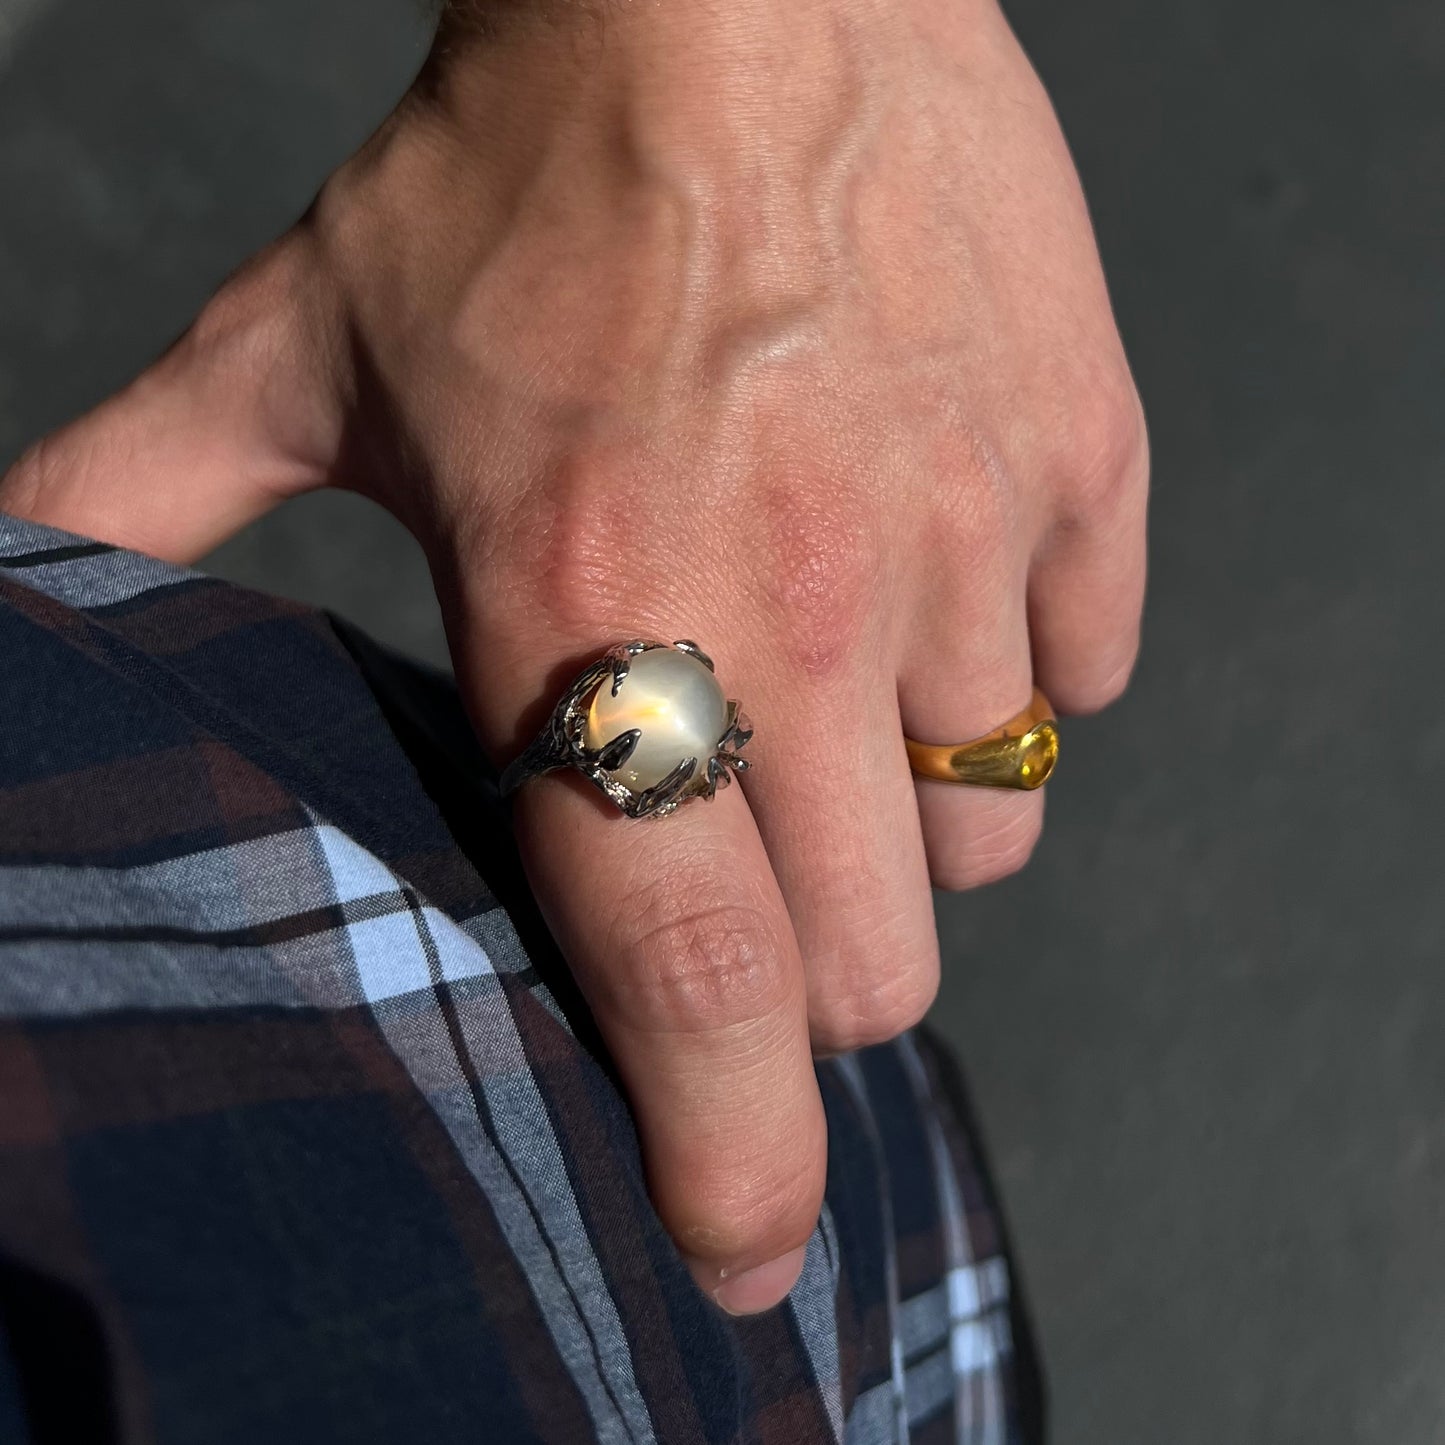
[541, 755]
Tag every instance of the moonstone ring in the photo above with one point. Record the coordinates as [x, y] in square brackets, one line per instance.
[648, 723]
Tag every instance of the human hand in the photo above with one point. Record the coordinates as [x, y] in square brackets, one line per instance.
[784, 335]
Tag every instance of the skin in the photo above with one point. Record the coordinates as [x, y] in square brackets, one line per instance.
[781, 328]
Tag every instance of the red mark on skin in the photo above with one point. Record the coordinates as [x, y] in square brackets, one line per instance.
[612, 561]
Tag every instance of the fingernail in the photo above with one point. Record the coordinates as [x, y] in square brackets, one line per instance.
[755, 1290]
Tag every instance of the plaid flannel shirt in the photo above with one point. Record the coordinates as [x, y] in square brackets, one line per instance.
[304, 1131]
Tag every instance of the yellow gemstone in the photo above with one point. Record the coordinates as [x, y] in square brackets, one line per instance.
[1038, 755]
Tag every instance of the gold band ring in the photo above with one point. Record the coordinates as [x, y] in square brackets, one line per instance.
[1020, 754]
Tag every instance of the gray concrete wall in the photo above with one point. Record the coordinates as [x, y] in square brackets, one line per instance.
[1205, 1027]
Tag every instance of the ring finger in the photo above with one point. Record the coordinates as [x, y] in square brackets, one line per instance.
[958, 683]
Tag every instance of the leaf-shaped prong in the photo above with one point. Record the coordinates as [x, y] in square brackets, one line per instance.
[620, 659]
[739, 730]
[734, 738]
[574, 724]
[665, 794]
[693, 650]
[620, 794]
[587, 681]
[569, 720]
[718, 775]
[611, 756]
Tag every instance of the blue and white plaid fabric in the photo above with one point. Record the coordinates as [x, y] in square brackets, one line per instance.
[305, 1133]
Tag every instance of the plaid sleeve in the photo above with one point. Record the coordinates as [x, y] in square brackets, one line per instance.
[304, 1132]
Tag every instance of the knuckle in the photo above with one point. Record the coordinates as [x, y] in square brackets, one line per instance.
[823, 567]
[874, 1014]
[886, 993]
[573, 554]
[991, 853]
[1107, 448]
[988, 510]
[577, 537]
[969, 540]
[1108, 684]
[705, 967]
[762, 1212]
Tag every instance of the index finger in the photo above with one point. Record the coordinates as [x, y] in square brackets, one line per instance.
[678, 935]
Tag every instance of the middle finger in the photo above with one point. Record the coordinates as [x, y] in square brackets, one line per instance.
[835, 804]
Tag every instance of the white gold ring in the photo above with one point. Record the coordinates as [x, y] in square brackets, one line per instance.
[648, 723]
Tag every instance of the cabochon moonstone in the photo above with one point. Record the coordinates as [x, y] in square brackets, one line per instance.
[675, 702]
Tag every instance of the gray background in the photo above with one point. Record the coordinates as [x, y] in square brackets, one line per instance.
[1204, 1028]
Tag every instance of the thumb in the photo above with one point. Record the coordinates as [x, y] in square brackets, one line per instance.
[237, 416]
